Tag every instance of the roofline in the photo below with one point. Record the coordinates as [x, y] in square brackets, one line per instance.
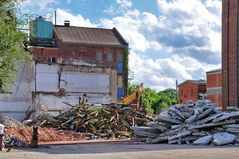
[67, 42]
[123, 42]
[80, 27]
[219, 70]
[118, 35]
[193, 82]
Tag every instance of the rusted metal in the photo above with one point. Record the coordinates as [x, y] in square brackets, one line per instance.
[85, 35]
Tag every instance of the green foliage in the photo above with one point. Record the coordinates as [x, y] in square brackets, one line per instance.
[126, 67]
[12, 49]
[154, 102]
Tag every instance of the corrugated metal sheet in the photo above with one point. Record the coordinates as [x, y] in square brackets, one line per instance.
[87, 35]
[85, 82]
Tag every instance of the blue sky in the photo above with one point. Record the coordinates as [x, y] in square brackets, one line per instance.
[169, 39]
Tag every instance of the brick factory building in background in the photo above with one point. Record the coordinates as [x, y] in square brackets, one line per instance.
[230, 53]
[214, 86]
[191, 90]
[71, 64]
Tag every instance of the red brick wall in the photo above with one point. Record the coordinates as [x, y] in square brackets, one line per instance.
[86, 53]
[188, 91]
[229, 52]
[216, 99]
[44, 53]
[214, 80]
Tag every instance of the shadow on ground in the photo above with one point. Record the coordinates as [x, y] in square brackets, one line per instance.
[112, 147]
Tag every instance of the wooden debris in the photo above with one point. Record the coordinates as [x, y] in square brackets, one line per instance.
[110, 121]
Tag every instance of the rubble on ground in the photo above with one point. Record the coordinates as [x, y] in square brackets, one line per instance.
[110, 121]
[10, 122]
[21, 137]
[199, 123]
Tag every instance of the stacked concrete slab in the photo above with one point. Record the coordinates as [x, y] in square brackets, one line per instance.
[197, 122]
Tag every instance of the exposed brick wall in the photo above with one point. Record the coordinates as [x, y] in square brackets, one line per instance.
[214, 80]
[216, 99]
[230, 52]
[188, 91]
[85, 53]
[42, 54]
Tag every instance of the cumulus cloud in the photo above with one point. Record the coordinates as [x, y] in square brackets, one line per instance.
[185, 32]
[75, 20]
[119, 6]
[163, 73]
[42, 5]
[191, 24]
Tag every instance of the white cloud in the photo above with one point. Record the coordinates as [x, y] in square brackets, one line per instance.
[124, 3]
[185, 32]
[40, 4]
[120, 7]
[75, 20]
[163, 73]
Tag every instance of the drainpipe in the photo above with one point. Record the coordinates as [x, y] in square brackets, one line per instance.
[1, 136]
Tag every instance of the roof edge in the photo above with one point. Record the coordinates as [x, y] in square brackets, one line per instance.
[120, 37]
[215, 71]
[193, 82]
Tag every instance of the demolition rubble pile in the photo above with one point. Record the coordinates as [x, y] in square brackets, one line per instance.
[109, 121]
[199, 123]
[10, 122]
[21, 137]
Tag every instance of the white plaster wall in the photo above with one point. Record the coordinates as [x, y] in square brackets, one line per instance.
[55, 104]
[85, 82]
[47, 78]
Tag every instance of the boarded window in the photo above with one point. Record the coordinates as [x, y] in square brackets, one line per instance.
[99, 56]
[109, 57]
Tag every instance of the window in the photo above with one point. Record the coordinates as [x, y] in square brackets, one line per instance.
[109, 57]
[99, 56]
[119, 57]
[51, 60]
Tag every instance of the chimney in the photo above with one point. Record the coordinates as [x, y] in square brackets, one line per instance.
[66, 23]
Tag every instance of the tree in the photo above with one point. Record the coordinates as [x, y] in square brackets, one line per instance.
[154, 102]
[12, 44]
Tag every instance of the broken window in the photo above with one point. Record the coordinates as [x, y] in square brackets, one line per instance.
[51, 60]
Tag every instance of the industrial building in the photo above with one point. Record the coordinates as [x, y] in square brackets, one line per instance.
[230, 58]
[191, 90]
[70, 63]
[214, 86]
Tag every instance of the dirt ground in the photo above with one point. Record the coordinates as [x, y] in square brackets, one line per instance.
[123, 150]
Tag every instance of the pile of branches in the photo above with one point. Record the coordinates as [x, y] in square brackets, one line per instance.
[110, 121]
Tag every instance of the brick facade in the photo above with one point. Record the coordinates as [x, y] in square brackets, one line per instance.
[230, 56]
[214, 86]
[190, 90]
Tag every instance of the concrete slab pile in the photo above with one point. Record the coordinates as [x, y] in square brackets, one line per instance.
[199, 123]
